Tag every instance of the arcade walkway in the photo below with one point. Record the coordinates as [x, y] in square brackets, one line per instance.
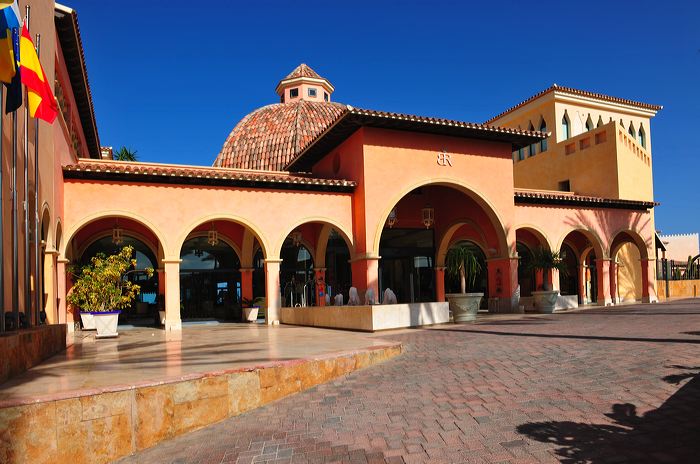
[619, 384]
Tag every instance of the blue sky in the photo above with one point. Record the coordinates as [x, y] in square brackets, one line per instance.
[170, 79]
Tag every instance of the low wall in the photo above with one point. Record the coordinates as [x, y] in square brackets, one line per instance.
[678, 288]
[100, 426]
[23, 349]
[563, 302]
[368, 318]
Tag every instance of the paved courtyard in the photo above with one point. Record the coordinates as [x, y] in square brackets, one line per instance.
[599, 385]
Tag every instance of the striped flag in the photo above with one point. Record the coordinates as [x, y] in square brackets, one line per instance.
[42, 103]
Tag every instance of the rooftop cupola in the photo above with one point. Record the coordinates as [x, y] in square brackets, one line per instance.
[304, 84]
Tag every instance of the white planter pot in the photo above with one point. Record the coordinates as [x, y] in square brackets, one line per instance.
[251, 314]
[106, 324]
[87, 320]
[161, 314]
[545, 301]
[464, 306]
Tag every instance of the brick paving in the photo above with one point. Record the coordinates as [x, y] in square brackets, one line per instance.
[598, 386]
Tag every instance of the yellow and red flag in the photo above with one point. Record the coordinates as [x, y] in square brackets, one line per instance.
[42, 103]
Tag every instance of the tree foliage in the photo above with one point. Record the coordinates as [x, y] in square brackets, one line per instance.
[462, 261]
[125, 154]
[102, 286]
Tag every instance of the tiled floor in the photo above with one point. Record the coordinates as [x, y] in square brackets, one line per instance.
[600, 385]
[142, 356]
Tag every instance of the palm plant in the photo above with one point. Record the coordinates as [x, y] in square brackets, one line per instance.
[462, 261]
[125, 154]
[545, 260]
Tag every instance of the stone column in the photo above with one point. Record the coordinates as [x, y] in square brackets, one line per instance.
[503, 285]
[172, 294]
[649, 280]
[320, 275]
[582, 279]
[49, 279]
[62, 291]
[272, 291]
[613, 281]
[603, 271]
[365, 275]
[440, 283]
[247, 283]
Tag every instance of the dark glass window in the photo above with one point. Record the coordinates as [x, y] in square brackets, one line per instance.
[293, 93]
[312, 92]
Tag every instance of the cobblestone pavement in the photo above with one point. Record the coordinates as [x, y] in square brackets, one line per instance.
[603, 385]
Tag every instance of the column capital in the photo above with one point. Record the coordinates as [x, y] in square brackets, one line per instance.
[272, 261]
[246, 269]
[440, 268]
[320, 269]
[63, 261]
[51, 251]
[647, 259]
[171, 260]
[366, 257]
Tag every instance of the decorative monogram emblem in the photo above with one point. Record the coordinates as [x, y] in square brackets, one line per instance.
[444, 158]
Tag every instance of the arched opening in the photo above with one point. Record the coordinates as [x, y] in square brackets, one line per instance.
[581, 248]
[543, 129]
[45, 272]
[569, 279]
[600, 121]
[210, 280]
[528, 239]
[533, 147]
[419, 231]
[626, 251]
[642, 136]
[108, 235]
[565, 126]
[143, 308]
[297, 274]
[631, 131]
[589, 123]
[315, 265]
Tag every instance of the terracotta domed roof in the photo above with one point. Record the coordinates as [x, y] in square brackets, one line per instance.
[303, 70]
[269, 137]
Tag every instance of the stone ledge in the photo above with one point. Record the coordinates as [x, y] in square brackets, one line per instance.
[99, 426]
[23, 349]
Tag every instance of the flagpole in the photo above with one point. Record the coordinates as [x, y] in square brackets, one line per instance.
[15, 227]
[27, 265]
[2, 226]
[38, 279]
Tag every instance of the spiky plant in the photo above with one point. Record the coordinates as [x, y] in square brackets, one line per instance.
[125, 154]
[544, 260]
[461, 261]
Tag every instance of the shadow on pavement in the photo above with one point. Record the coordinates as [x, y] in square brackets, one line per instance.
[670, 433]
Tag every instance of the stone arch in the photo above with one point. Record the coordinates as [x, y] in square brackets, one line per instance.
[446, 241]
[537, 232]
[247, 225]
[623, 236]
[45, 225]
[116, 214]
[592, 238]
[480, 199]
[227, 240]
[99, 235]
[325, 221]
[58, 237]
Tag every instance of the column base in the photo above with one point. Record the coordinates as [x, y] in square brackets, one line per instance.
[650, 299]
[606, 302]
[173, 325]
[500, 305]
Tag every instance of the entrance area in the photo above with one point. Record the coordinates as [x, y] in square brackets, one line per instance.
[407, 265]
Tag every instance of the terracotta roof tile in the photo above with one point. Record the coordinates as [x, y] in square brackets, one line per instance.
[239, 176]
[563, 198]
[582, 93]
[303, 70]
[269, 137]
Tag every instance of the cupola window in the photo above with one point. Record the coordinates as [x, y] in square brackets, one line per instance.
[543, 129]
[642, 136]
[325, 96]
[293, 93]
[312, 93]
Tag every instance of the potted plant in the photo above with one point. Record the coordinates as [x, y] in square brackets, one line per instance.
[461, 261]
[251, 308]
[101, 288]
[545, 260]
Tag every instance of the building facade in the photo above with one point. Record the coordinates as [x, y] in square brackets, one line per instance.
[309, 197]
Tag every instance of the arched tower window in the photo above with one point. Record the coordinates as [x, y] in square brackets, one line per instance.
[589, 123]
[600, 121]
[642, 136]
[565, 126]
[543, 128]
[631, 131]
[622, 124]
[533, 147]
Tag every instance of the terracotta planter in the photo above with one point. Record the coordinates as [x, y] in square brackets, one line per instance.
[87, 320]
[251, 314]
[464, 306]
[546, 301]
[106, 324]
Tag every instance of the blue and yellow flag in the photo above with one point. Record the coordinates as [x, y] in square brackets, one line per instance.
[9, 20]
